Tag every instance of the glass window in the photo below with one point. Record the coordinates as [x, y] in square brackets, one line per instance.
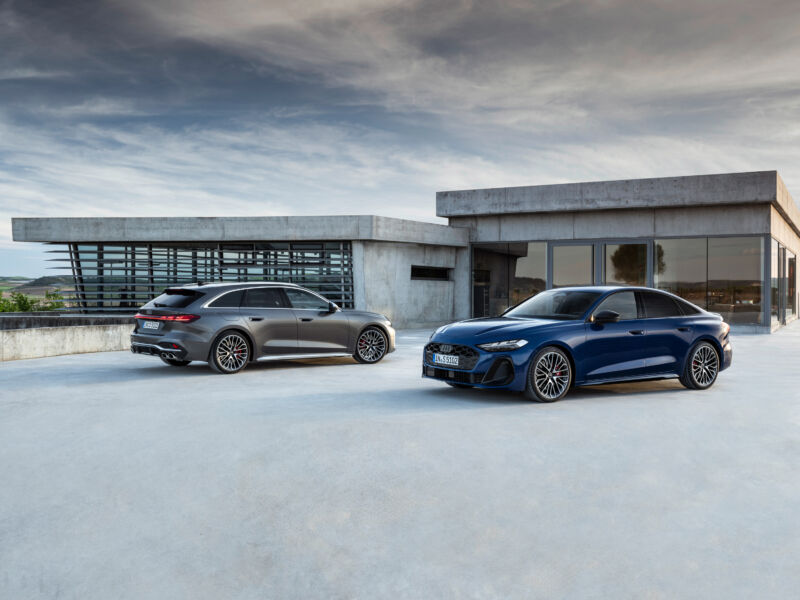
[490, 268]
[573, 265]
[555, 304]
[659, 305]
[625, 264]
[229, 300]
[622, 303]
[263, 298]
[529, 273]
[680, 266]
[735, 275]
[176, 298]
[791, 284]
[774, 283]
[302, 299]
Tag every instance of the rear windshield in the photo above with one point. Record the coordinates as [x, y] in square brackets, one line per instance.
[555, 304]
[176, 298]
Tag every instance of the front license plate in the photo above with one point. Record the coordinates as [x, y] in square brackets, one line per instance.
[446, 359]
[151, 325]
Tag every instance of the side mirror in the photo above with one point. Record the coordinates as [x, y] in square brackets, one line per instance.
[606, 316]
[332, 308]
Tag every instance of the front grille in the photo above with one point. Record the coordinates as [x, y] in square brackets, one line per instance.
[467, 357]
[450, 375]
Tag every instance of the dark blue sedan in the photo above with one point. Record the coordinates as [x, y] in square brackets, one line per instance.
[582, 336]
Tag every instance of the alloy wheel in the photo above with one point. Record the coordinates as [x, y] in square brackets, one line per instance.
[551, 375]
[232, 353]
[371, 345]
[704, 365]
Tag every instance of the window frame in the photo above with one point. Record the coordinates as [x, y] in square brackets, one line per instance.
[299, 289]
[636, 299]
[282, 295]
[654, 292]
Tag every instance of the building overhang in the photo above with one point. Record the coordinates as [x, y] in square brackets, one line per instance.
[235, 229]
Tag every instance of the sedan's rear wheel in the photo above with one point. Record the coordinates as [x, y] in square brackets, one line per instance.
[229, 352]
[371, 345]
[549, 375]
[702, 367]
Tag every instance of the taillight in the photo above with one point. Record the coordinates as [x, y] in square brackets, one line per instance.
[177, 318]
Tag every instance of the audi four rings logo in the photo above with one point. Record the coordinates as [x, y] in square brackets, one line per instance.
[445, 347]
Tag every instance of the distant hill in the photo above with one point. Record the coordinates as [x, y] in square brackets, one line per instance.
[50, 281]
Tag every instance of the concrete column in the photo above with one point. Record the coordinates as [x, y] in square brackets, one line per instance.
[359, 292]
[462, 292]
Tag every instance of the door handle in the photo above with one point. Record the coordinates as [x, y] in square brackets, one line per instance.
[256, 318]
[684, 328]
[306, 319]
[636, 332]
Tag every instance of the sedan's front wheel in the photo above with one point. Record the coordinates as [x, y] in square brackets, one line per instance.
[371, 345]
[702, 367]
[229, 353]
[549, 375]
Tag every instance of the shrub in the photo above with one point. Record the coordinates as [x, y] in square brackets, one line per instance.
[19, 302]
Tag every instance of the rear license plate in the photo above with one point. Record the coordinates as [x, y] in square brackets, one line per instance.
[151, 325]
[446, 359]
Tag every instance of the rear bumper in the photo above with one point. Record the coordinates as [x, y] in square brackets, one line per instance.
[188, 348]
[727, 355]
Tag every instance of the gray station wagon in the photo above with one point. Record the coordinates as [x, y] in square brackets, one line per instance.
[231, 324]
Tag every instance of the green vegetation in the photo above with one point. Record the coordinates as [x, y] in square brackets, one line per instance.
[18, 302]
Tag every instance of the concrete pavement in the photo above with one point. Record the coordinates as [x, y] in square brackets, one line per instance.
[124, 478]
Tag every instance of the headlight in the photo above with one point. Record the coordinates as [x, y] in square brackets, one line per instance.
[504, 345]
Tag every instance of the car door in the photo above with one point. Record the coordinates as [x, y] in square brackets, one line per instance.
[669, 333]
[271, 321]
[615, 350]
[318, 329]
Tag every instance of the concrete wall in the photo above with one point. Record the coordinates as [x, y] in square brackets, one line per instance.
[382, 282]
[633, 223]
[38, 342]
[699, 190]
[233, 229]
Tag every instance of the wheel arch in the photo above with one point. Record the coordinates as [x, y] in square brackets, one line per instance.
[238, 329]
[362, 328]
[561, 346]
[705, 337]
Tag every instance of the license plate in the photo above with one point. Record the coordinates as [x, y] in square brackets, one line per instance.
[446, 359]
[151, 325]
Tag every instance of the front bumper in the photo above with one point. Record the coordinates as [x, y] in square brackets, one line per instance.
[491, 370]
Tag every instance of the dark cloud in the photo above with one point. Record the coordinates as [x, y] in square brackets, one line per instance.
[197, 106]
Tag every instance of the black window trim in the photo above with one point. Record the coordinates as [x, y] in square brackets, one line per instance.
[640, 294]
[282, 294]
[639, 306]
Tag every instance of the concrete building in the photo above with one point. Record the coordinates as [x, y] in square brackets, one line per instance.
[725, 242]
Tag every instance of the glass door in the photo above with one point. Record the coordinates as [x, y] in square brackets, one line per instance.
[625, 264]
[572, 265]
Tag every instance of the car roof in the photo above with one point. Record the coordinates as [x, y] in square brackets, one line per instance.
[610, 288]
[233, 284]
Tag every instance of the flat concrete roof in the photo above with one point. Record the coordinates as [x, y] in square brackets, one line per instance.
[759, 187]
[235, 229]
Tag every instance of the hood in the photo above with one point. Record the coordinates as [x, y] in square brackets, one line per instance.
[490, 329]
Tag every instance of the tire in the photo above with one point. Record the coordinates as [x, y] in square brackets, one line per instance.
[174, 362]
[230, 352]
[549, 375]
[371, 345]
[461, 386]
[702, 367]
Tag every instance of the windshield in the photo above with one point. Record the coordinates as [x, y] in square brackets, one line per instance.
[555, 304]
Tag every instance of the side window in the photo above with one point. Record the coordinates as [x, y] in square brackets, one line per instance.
[623, 303]
[302, 299]
[229, 300]
[689, 309]
[659, 305]
[264, 298]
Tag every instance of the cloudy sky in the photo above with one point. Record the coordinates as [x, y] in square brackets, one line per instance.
[245, 107]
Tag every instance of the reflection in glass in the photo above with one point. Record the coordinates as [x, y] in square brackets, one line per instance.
[735, 273]
[774, 282]
[625, 264]
[530, 270]
[573, 265]
[791, 284]
[490, 267]
[680, 266]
